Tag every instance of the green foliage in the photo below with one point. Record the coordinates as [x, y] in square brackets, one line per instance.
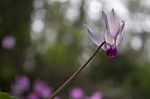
[6, 96]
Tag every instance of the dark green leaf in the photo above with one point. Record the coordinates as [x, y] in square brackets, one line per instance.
[6, 96]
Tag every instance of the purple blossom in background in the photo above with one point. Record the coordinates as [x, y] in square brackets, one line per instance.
[23, 81]
[113, 34]
[22, 84]
[33, 95]
[46, 92]
[57, 97]
[76, 93]
[96, 95]
[42, 89]
[8, 42]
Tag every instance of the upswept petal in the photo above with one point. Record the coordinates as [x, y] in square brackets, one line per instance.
[113, 23]
[119, 35]
[105, 19]
[96, 38]
[108, 37]
[120, 29]
[119, 39]
[122, 26]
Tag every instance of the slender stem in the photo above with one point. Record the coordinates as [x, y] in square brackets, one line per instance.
[75, 73]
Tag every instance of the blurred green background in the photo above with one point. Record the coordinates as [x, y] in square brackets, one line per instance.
[46, 39]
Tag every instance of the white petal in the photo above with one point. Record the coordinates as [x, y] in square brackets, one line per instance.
[120, 29]
[114, 23]
[96, 38]
[109, 38]
[119, 35]
[122, 26]
[105, 19]
[119, 39]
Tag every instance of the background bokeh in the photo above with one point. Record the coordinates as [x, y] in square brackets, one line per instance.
[46, 40]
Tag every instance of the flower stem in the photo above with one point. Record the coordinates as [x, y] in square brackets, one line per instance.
[75, 73]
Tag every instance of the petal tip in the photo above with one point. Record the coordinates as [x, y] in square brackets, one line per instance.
[103, 14]
[113, 10]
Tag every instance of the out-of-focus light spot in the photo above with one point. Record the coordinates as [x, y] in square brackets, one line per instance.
[138, 23]
[40, 13]
[37, 25]
[145, 3]
[135, 26]
[50, 1]
[147, 25]
[72, 14]
[94, 9]
[51, 35]
[95, 6]
[72, 11]
[38, 4]
[75, 3]
[136, 43]
[119, 7]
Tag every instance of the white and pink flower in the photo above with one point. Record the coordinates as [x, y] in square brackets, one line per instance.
[113, 34]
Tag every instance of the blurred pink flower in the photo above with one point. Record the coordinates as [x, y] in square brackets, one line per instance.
[21, 84]
[42, 89]
[23, 81]
[8, 42]
[113, 34]
[76, 93]
[33, 95]
[57, 97]
[96, 95]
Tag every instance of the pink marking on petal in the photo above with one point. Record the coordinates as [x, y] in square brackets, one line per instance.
[111, 52]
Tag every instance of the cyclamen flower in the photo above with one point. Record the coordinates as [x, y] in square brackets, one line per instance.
[113, 34]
